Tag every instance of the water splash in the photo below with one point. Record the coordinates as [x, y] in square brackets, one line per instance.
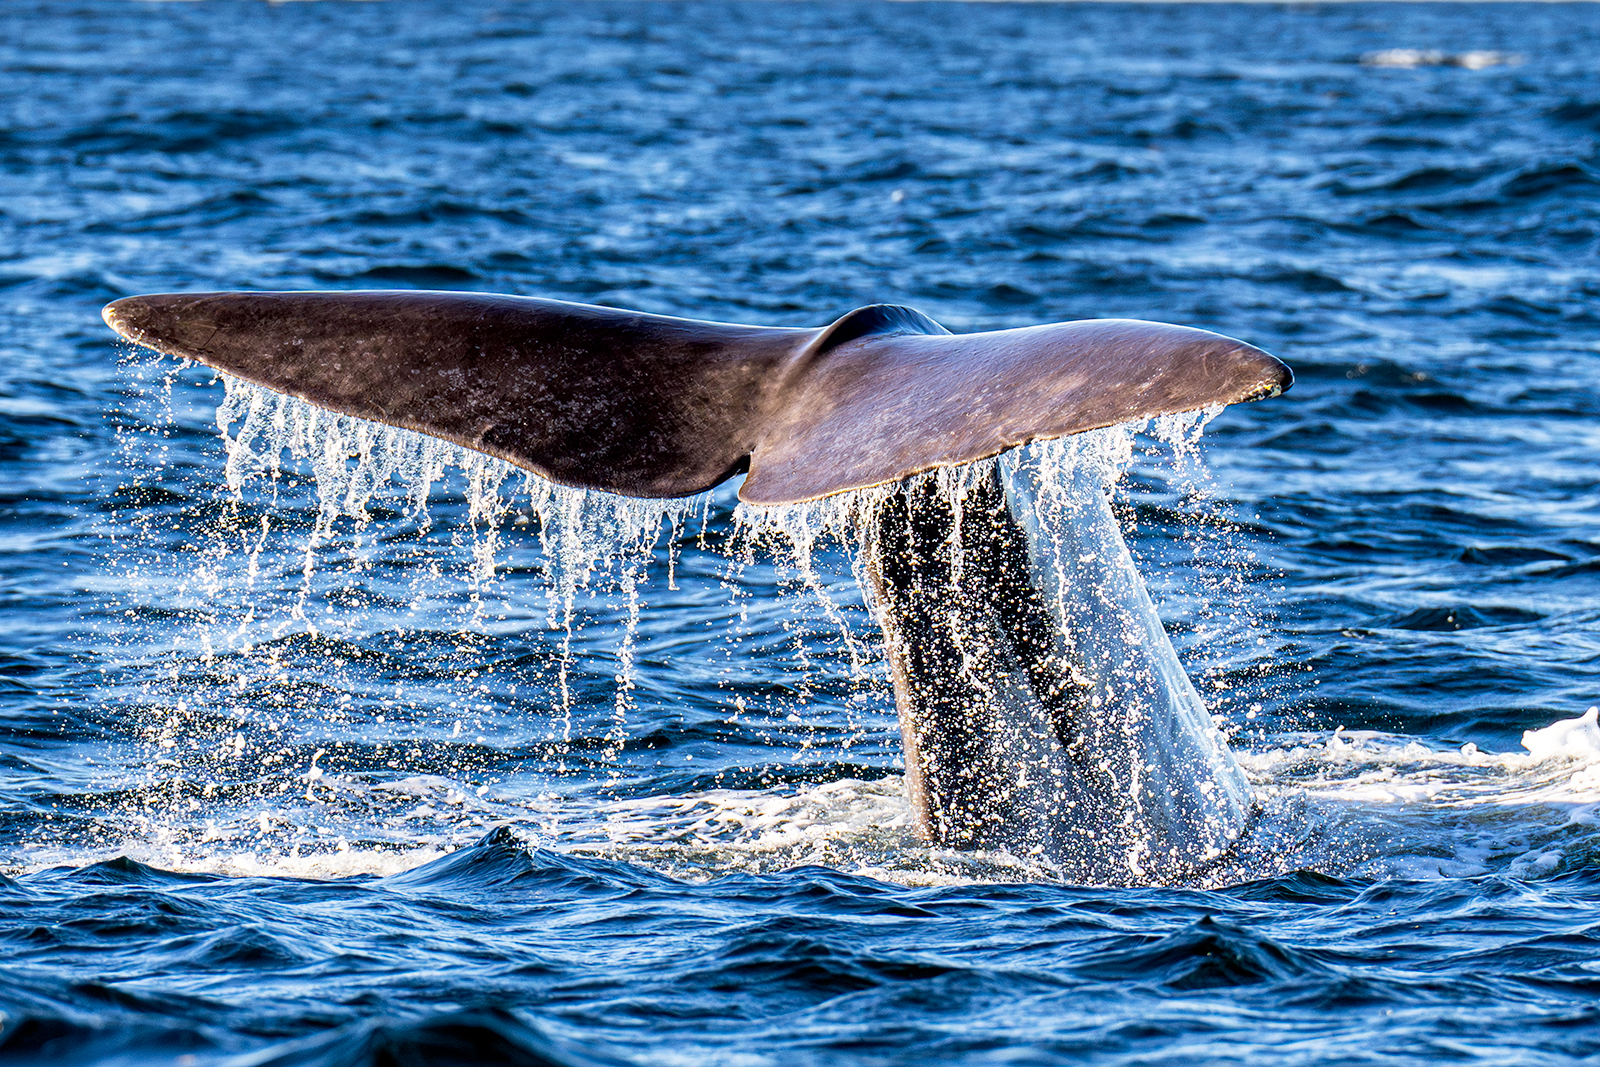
[234, 750]
[1183, 800]
[590, 541]
[1167, 796]
[347, 499]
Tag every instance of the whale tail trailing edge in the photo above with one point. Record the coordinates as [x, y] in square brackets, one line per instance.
[655, 406]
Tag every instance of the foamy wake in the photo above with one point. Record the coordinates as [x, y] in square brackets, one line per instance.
[1360, 803]
[1389, 805]
[1408, 58]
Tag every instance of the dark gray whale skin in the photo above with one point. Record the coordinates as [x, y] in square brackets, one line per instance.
[655, 406]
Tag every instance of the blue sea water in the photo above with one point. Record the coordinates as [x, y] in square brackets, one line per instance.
[279, 785]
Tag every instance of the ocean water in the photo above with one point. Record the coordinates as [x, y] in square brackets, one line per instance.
[325, 747]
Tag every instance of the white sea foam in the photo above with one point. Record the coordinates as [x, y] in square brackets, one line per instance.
[1570, 739]
[1346, 802]
[861, 827]
[1477, 59]
[1388, 805]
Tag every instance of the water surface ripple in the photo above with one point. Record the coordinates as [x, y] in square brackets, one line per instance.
[279, 786]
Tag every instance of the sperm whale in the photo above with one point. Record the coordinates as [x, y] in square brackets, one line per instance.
[1042, 708]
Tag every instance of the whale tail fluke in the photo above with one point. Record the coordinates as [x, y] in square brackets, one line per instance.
[655, 406]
